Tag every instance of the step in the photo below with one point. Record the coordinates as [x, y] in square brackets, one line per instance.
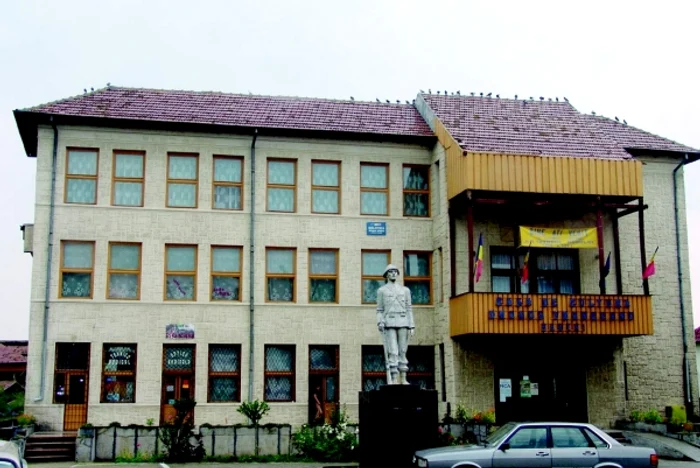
[48, 458]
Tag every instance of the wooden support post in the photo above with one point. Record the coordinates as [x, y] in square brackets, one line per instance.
[470, 242]
[453, 251]
[601, 249]
[642, 245]
[616, 253]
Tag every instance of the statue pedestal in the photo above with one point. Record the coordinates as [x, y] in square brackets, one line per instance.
[395, 421]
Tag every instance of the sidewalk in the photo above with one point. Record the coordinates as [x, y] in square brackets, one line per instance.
[193, 465]
[667, 447]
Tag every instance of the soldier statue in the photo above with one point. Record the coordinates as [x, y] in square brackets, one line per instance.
[395, 323]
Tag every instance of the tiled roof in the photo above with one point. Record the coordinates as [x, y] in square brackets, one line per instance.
[243, 111]
[13, 352]
[541, 128]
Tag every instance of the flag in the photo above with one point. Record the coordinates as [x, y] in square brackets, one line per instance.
[525, 275]
[651, 267]
[606, 267]
[479, 266]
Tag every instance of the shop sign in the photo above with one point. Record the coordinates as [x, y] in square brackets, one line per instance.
[179, 331]
[376, 228]
[119, 358]
[178, 358]
[505, 388]
[582, 238]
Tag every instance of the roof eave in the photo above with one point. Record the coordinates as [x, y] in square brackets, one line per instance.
[671, 154]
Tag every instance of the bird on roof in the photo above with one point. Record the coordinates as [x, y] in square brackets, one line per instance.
[498, 96]
[532, 98]
[516, 96]
[459, 93]
[421, 91]
[398, 101]
[593, 112]
[617, 119]
[541, 98]
[624, 121]
[550, 99]
[445, 92]
[378, 100]
[109, 84]
[429, 91]
[472, 93]
[489, 95]
[85, 90]
[438, 91]
[557, 99]
[352, 98]
[566, 99]
[92, 89]
[407, 101]
[481, 94]
[388, 101]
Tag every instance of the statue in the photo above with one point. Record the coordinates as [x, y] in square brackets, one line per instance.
[395, 323]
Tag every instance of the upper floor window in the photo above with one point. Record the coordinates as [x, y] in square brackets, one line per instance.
[224, 373]
[228, 183]
[81, 176]
[128, 176]
[124, 271]
[323, 275]
[183, 178]
[119, 373]
[281, 185]
[374, 189]
[550, 271]
[373, 264]
[77, 264]
[225, 273]
[280, 274]
[180, 272]
[417, 276]
[416, 190]
[325, 187]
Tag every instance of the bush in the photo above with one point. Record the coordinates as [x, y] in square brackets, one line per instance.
[678, 415]
[26, 419]
[636, 416]
[254, 410]
[464, 416]
[330, 442]
[653, 417]
[178, 436]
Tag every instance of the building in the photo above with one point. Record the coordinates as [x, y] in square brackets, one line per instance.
[229, 247]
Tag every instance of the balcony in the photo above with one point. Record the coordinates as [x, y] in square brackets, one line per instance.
[561, 314]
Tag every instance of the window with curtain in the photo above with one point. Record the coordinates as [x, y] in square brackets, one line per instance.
[180, 272]
[128, 177]
[77, 264]
[417, 276]
[323, 275]
[124, 270]
[373, 264]
[281, 185]
[228, 183]
[183, 170]
[118, 373]
[416, 190]
[550, 271]
[279, 373]
[224, 373]
[421, 367]
[280, 274]
[325, 187]
[81, 176]
[225, 273]
[373, 368]
[374, 189]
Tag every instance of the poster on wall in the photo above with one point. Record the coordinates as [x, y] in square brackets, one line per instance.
[534, 388]
[505, 389]
[559, 238]
[525, 390]
[179, 330]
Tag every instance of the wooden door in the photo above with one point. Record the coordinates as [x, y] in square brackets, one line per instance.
[178, 378]
[75, 409]
[71, 379]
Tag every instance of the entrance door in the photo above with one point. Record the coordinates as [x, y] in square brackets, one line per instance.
[178, 378]
[71, 383]
[323, 383]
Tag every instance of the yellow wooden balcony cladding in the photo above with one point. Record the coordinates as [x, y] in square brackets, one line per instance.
[560, 314]
[536, 174]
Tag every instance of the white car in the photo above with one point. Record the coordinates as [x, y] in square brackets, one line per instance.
[10, 456]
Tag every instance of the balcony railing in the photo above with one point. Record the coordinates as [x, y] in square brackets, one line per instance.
[581, 314]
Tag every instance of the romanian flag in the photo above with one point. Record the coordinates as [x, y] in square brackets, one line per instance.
[525, 274]
[479, 266]
[606, 270]
[651, 267]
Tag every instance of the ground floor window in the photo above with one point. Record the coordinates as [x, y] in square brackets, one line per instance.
[279, 373]
[324, 391]
[421, 367]
[224, 373]
[118, 373]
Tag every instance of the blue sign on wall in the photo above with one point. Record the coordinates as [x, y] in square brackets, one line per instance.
[376, 229]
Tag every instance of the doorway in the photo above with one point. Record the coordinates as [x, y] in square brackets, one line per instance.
[324, 394]
[71, 377]
[178, 379]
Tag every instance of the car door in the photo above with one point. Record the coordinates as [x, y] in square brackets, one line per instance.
[572, 449]
[525, 448]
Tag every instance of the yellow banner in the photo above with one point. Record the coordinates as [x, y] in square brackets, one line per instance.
[585, 238]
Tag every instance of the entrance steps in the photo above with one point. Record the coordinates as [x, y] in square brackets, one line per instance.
[50, 447]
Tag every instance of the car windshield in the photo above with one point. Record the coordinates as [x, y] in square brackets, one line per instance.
[499, 434]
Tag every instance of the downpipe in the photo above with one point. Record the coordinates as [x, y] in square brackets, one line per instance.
[251, 282]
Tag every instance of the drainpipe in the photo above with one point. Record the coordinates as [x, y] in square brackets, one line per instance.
[686, 370]
[49, 254]
[251, 282]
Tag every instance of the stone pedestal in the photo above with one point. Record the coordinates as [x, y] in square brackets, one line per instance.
[395, 421]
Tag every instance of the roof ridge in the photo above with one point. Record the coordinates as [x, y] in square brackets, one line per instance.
[496, 99]
[615, 122]
[65, 99]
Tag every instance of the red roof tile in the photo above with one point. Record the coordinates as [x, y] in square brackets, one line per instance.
[243, 111]
[13, 352]
[543, 128]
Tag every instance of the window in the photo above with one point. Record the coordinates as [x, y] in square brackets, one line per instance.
[280, 274]
[417, 276]
[225, 273]
[279, 373]
[373, 264]
[71, 374]
[124, 271]
[550, 271]
[224, 373]
[323, 275]
[568, 437]
[180, 273]
[81, 176]
[228, 183]
[416, 190]
[183, 170]
[325, 187]
[118, 373]
[529, 437]
[281, 185]
[595, 438]
[374, 189]
[77, 263]
[421, 367]
[127, 178]
[504, 273]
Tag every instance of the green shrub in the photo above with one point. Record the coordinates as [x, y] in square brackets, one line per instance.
[678, 415]
[178, 436]
[636, 416]
[653, 417]
[330, 442]
[26, 419]
[254, 410]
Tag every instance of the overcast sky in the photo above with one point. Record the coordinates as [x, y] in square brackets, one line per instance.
[617, 58]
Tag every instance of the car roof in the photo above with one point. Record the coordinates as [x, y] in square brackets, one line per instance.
[8, 450]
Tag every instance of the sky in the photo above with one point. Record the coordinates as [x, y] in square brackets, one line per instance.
[633, 59]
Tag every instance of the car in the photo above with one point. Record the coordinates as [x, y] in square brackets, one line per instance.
[10, 456]
[541, 445]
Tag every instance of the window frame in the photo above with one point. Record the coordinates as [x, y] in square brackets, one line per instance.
[409, 279]
[63, 270]
[68, 176]
[376, 190]
[364, 277]
[194, 181]
[406, 191]
[235, 375]
[291, 374]
[141, 180]
[515, 271]
[215, 183]
[180, 273]
[378, 350]
[327, 188]
[111, 271]
[238, 274]
[118, 373]
[336, 276]
[293, 275]
[269, 186]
